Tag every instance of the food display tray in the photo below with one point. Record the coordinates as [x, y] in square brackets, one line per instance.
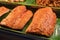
[21, 33]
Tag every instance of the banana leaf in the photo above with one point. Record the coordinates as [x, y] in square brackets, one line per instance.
[28, 3]
[56, 34]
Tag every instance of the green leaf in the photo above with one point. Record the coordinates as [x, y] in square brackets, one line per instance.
[56, 34]
[28, 3]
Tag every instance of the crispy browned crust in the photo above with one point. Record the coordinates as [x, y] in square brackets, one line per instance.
[3, 10]
[18, 17]
[43, 22]
[48, 2]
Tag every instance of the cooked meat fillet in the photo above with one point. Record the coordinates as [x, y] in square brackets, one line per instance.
[3, 10]
[11, 18]
[21, 21]
[43, 22]
[17, 18]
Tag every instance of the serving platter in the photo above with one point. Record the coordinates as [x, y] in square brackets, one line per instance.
[56, 34]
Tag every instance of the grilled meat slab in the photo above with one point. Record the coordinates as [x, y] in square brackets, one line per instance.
[18, 17]
[43, 22]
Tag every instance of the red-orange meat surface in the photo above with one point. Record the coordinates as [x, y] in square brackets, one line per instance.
[18, 17]
[43, 22]
[3, 10]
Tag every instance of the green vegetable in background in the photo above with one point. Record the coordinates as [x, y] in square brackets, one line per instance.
[56, 34]
[28, 3]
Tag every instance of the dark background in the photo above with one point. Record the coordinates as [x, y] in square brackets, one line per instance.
[6, 35]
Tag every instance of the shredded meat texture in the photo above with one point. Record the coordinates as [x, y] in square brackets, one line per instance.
[18, 17]
[43, 22]
[3, 10]
[48, 2]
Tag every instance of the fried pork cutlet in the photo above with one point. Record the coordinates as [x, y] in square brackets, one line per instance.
[43, 22]
[18, 17]
[3, 10]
